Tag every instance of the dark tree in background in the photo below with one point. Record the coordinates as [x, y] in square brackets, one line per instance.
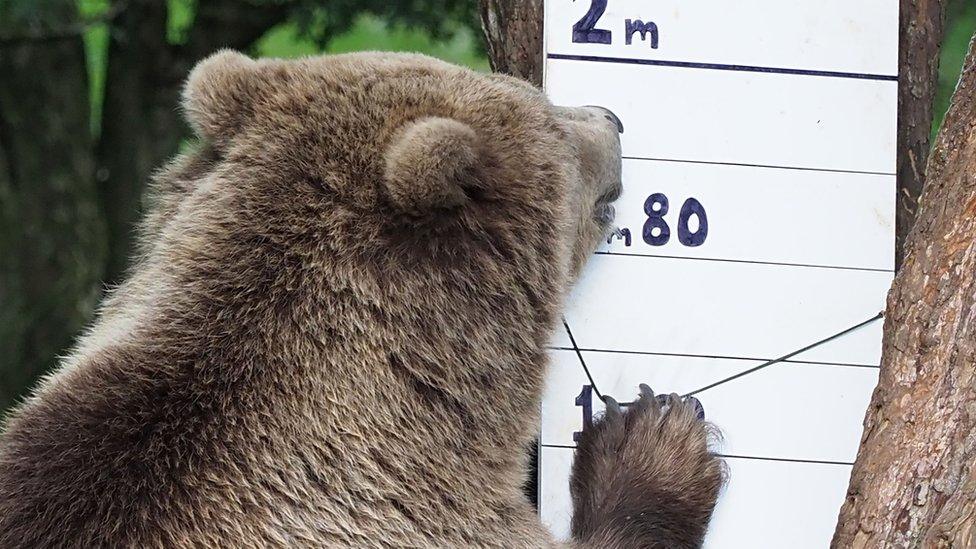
[69, 197]
[51, 232]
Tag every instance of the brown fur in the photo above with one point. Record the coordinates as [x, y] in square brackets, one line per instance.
[334, 334]
[645, 477]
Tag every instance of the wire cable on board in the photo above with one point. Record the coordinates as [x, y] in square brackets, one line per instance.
[732, 377]
[579, 355]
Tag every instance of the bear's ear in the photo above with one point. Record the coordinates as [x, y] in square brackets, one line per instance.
[428, 164]
[219, 94]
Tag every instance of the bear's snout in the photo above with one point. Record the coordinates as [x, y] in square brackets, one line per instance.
[610, 116]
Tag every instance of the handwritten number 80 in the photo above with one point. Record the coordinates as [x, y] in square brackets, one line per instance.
[656, 230]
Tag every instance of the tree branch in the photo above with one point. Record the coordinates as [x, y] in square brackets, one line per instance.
[914, 482]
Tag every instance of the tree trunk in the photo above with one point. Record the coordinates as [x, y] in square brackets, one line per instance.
[922, 29]
[914, 482]
[140, 124]
[50, 232]
[513, 31]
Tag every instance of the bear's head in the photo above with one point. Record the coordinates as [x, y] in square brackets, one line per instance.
[376, 201]
[406, 159]
[360, 263]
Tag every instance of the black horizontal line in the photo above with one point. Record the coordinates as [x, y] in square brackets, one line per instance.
[716, 357]
[838, 267]
[731, 456]
[724, 67]
[766, 166]
[788, 460]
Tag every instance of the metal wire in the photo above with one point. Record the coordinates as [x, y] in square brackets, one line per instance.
[735, 376]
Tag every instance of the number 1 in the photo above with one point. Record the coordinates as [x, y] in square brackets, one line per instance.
[585, 400]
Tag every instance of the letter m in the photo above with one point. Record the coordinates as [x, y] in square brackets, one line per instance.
[643, 28]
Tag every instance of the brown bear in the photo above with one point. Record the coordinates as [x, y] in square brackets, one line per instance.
[335, 330]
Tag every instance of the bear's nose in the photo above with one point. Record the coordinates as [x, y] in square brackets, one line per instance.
[609, 115]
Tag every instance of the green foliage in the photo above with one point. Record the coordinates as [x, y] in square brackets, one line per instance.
[96, 56]
[322, 22]
[960, 27]
[180, 19]
[370, 32]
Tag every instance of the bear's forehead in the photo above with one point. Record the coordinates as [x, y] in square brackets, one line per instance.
[368, 96]
[399, 81]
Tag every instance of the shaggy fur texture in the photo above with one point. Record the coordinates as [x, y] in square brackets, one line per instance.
[334, 333]
[644, 477]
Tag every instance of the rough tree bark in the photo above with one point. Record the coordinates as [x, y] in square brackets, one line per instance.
[513, 31]
[914, 482]
[922, 28]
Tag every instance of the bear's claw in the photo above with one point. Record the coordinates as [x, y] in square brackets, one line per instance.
[647, 462]
[697, 405]
[663, 401]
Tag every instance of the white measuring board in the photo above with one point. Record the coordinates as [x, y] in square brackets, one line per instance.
[766, 129]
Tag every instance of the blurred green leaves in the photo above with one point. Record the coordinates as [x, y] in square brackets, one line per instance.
[960, 27]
